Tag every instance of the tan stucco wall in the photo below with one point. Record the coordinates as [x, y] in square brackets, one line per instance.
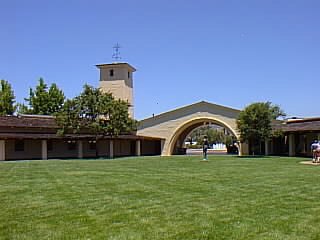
[170, 125]
[119, 89]
[120, 72]
[120, 84]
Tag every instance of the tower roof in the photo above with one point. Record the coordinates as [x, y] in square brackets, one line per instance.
[108, 65]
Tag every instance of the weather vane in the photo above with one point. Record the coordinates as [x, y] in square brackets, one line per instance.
[116, 52]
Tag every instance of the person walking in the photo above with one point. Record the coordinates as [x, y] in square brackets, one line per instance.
[205, 147]
[315, 148]
[317, 153]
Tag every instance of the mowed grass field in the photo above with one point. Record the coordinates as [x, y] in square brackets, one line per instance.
[160, 198]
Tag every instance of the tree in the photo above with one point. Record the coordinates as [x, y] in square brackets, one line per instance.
[7, 99]
[215, 136]
[254, 122]
[56, 99]
[43, 101]
[95, 112]
[68, 117]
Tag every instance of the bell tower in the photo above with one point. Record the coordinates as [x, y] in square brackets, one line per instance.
[117, 79]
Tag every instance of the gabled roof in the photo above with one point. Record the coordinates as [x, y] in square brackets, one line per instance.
[195, 107]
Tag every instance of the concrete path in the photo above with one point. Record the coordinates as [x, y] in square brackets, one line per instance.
[310, 163]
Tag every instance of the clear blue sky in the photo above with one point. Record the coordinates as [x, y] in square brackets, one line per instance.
[226, 52]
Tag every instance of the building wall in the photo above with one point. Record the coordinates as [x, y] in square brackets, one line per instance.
[32, 150]
[60, 149]
[119, 73]
[104, 148]
[120, 84]
[123, 148]
[279, 146]
[119, 89]
[150, 147]
[170, 125]
[303, 143]
[87, 151]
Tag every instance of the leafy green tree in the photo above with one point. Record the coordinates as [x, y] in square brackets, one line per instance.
[22, 108]
[229, 140]
[43, 101]
[214, 135]
[7, 99]
[56, 99]
[96, 112]
[68, 117]
[254, 122]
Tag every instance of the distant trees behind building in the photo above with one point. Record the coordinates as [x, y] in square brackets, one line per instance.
[214, 133]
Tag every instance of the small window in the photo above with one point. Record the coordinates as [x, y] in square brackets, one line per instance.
[72, 145]
[19, 146]
[111, 73]
[92, 145]
[129, 75]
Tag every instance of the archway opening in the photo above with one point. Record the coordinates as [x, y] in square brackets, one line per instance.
[188, 138]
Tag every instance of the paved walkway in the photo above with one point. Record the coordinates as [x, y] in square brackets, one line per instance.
[210, 151]
[310, 163]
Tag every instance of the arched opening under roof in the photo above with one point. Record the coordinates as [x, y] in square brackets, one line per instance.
[179, 136]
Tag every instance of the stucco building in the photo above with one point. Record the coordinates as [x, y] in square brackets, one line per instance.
[34, 137]
[298, 135]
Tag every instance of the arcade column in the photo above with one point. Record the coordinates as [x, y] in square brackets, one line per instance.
[244, 149]
[2, 150]
[138, 148]
[111, 150]
[44, 150]
[80, 149]
[292, 145]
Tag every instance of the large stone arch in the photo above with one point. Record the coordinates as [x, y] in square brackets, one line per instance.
[190, 125]
[169, 125]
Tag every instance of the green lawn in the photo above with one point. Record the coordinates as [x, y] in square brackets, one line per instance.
[160, 198]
